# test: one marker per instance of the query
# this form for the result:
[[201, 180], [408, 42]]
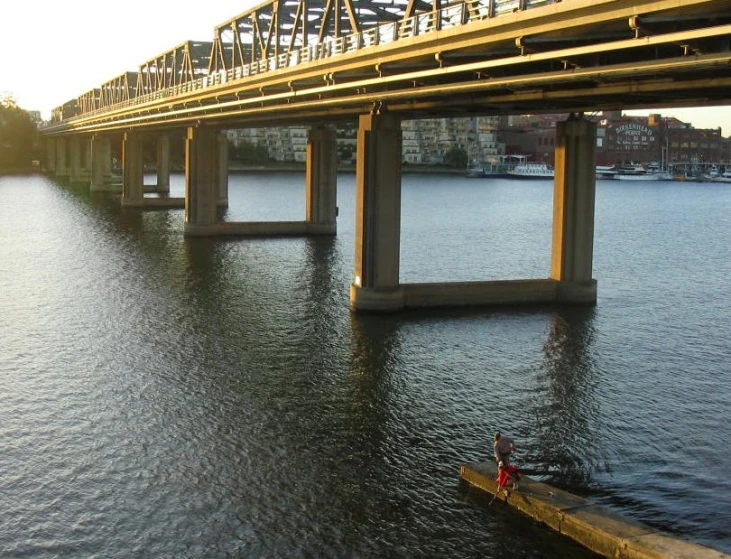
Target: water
[[164, 397]]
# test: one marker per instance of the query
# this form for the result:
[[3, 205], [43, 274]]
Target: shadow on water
[[559, 440]]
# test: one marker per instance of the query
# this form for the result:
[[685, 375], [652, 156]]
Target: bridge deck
[[465, 58]]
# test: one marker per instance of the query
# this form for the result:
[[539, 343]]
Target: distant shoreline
[[300, 168], [276, 168]]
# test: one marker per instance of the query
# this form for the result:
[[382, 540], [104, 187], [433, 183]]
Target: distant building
[[657, 139], [533, 136], [621, 139]]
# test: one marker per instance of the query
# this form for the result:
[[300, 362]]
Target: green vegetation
[[248, 153], [18, 137], [456, 157]]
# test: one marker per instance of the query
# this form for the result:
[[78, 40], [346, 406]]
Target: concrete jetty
[[589, 524]]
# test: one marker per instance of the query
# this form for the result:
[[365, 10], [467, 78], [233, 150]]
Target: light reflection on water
[[187, 398]]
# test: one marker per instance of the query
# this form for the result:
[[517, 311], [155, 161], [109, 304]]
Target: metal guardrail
[[419, 24]]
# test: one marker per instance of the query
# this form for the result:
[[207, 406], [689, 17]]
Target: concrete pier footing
[[259, 229], [587, 523], [477, 293], [162, 202]]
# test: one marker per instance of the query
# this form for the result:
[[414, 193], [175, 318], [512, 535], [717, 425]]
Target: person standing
[[503, 447]]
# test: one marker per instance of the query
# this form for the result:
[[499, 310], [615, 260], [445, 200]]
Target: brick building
[[622, 139]]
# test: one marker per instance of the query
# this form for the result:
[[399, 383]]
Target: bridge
[[320, 62]]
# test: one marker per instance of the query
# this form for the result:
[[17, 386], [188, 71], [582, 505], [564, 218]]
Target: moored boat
[[636, 173], [723, 177], [531, 171], [605, 172], [476, 173]]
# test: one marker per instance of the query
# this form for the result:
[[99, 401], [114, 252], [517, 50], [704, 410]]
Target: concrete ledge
[[376, 300], [453, 294], [114, 188], [476, 293], [155, 189], [117, 187], [261, 229], [154, 203], [589, 524], [79, 180]]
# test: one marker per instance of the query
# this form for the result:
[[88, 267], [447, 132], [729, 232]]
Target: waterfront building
[[425, 141], [621, 140]]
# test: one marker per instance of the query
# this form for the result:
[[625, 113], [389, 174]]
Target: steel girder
[[561, 56], [119, 90], [182, 64]]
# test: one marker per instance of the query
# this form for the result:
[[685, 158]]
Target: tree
[[456, 157], [249, 153], [18, 137]]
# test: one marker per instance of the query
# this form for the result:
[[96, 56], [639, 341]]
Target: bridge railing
[[419, 24]]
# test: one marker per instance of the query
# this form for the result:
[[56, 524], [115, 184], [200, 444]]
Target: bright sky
[[52, 51]]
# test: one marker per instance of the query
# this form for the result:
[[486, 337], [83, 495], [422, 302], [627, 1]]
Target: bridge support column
[[50, 163], [76, 146], [573, 211], [222, 170], [202, 159], [101, 159], [163, 164], [132, 170], [378, 215], [321, 180], [62, 159]]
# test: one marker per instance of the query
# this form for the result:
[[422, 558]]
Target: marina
[[635, 172]]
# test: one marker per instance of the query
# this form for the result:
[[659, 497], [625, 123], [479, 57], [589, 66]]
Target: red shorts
[[504, 473]]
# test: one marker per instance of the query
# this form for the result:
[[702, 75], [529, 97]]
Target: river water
[[164, 397]]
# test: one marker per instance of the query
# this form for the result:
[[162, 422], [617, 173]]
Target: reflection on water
[[215, 397], [568, 442]]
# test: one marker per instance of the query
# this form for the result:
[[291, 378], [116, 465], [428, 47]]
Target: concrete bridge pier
[[163, 165], [80, 156], [133, 187], [206, 189], [132, 170], [376, 284], [202, 160], [101, 161], [378, 215], [222, 171], [62, 159], [321, 180], [75, 159], [573, 211], [50, 163]]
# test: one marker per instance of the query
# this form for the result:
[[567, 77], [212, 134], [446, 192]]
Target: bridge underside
[[578, 55], [570, 56]]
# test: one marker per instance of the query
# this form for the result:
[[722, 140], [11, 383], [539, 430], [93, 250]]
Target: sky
[[52, 51]]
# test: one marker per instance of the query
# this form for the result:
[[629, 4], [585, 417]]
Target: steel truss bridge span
[[310, 61]]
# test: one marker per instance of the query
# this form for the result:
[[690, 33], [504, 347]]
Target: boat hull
[[637, 177], [531, 171]]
